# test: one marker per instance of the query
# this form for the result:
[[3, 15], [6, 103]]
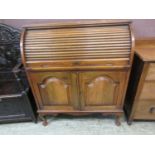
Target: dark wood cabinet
[[16, 99], [17, 107], [78, 68], [140, 98]]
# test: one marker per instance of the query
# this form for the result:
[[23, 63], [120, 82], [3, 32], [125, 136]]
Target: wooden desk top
[[145, 49]]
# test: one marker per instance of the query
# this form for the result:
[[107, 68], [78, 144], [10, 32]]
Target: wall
[[143, 28]]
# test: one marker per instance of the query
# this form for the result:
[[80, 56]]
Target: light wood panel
[[148, 90], [145, 110], [101, 89], [55, 89]]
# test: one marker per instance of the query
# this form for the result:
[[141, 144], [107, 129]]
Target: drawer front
[[79, 64], [145, 110], [148, 90], [151, 72]]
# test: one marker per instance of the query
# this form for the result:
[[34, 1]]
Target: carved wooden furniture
[[78, 68], [140, 97], [16, 100]]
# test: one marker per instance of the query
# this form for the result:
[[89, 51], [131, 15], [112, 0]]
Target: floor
[[88, 125]]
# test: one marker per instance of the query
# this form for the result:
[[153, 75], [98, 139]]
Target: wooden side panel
[[135, 77]]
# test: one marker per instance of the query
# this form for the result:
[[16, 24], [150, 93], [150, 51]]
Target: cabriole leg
[[43, 118], [117, 120]]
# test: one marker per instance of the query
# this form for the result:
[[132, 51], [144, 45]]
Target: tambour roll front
[[78, 68]]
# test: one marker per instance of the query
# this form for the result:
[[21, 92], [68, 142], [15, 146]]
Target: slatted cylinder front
[[78, 68], [104, 44]]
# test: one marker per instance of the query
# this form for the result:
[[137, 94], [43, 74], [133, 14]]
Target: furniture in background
[[140, 97], [16, 100], [78, 68]]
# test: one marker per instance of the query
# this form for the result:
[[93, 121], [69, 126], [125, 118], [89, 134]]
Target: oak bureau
[[79, 67]]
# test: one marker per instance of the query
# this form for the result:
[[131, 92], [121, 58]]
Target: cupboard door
[[101, 90], [55, 90]]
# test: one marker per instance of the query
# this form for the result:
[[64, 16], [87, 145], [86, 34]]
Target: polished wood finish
[[100, 90], [78, 68], [54, 90], [146, 92], [140, 98], [145, 110]]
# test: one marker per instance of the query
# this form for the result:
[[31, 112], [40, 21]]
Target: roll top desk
[[78, 68]]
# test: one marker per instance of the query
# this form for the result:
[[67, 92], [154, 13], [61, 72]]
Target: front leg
[[117, 120], [43, 118]]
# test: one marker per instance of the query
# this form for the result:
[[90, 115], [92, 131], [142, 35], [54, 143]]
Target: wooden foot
[[117, 121], [45, 123], [43, 118]]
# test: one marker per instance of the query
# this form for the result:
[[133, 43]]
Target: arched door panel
[[56, 91], [100, 89]]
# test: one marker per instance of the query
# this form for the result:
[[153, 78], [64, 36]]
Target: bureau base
[[43, 114]]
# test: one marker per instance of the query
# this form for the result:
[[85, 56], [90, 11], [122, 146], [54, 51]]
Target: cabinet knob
[[152, 110]]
